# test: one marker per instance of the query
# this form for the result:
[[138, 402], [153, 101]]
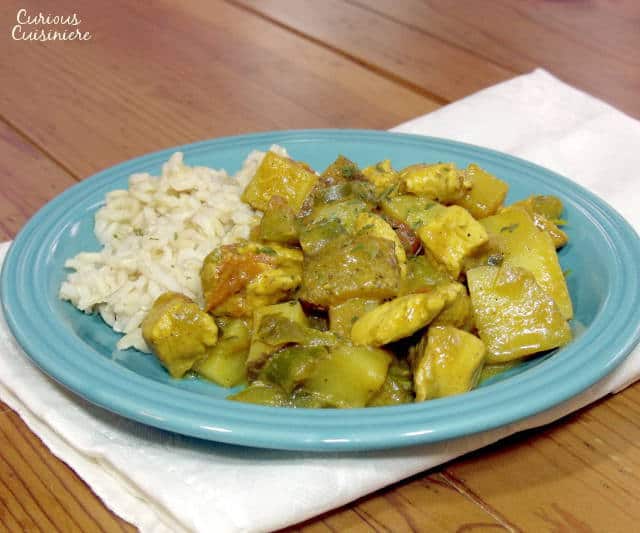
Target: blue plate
[[79, 350]]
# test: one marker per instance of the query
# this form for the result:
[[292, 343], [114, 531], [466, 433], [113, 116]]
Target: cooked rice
[[155, 236]]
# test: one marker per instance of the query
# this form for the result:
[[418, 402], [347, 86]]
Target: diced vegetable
[[373, 225], [225, 362], [279, 176], [238, 278], [449, 362], [357, 267], [397, 388], [344, 315], [523, 245], [348, 376], [515, 317], [415, 211], [279, 223], [178, 332], [486, 193]]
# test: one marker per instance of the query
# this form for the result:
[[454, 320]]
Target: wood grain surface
[[164, 73]]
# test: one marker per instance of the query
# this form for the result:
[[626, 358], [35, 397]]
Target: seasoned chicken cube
[[178, 332], [442, 182], [350, 267], [238, 278], [382, 175], [448, 361], [403, 316], [452, 236]]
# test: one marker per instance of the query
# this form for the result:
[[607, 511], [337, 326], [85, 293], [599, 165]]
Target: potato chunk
[[350, 267], [452, 236], [442, 182], [238, 278], [279, 176], [449, 362], [523, 245], [403, 316], [178, 332], [515, 317], [486, 195]]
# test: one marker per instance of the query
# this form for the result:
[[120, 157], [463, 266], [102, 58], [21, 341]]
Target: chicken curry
[[371, 287]]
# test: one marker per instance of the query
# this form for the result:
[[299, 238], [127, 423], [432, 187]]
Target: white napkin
[[165, 482]]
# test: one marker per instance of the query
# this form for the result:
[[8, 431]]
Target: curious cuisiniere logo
[[49, 27]]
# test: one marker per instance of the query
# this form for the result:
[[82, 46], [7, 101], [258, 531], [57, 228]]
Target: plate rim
[[237, 424]]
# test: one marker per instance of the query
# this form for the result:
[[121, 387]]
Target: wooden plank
[[593, 45], [37, 491], [580, 474], [393, 48], [425, 503], [174, 73], [29, 180]]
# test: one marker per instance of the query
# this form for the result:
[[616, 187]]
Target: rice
[[154, 237]]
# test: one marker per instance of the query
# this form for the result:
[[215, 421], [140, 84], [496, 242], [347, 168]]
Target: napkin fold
[[164, 482]]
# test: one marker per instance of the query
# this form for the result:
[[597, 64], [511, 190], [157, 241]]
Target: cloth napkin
[[165, 482]]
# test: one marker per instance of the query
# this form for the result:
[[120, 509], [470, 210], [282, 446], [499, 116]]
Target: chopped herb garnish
[[138, 232], [347, 171], [495, 259], [509, 228], [267, 250]]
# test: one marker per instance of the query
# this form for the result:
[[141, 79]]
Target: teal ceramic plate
[[79, 351]]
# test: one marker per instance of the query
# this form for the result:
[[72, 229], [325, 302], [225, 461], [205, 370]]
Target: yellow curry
[[370, 287]]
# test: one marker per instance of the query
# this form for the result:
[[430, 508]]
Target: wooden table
[[158, 74]]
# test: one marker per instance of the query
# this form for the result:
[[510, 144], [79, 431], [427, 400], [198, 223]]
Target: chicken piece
[[238, 278], [178, 332], [382, 175], [403, 316], [521, 244], [279, 176], [442, 182], [373, 225], [350, 267], [449, 361], [515, 317], [486, 195], [452, 236]]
